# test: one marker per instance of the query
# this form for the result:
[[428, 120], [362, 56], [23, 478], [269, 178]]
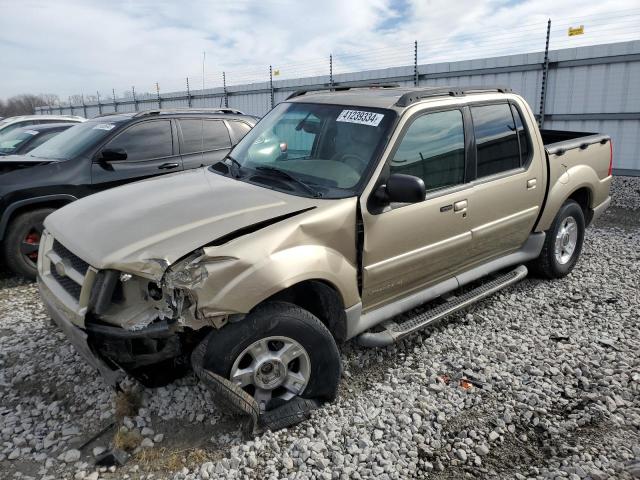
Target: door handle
[[460, 206], [168, 166], [531, 183]]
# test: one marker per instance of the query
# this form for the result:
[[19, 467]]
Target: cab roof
[[384, 95]]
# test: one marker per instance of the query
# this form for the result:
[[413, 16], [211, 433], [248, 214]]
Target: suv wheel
[[563, 243], [22, 241], [276, 353]]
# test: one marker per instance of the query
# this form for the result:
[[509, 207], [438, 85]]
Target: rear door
[[509, 186], [408, 247], [150, 149], [203, 141]]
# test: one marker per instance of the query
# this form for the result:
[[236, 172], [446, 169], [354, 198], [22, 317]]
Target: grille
[[71, 287], [77, 263]]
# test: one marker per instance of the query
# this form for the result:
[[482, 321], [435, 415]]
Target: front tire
[[562, 244], [277, 352], [23, 240]]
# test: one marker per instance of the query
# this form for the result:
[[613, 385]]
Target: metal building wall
[[595, 89]]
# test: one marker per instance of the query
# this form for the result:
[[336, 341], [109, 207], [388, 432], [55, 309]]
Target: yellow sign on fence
[[576, 30]]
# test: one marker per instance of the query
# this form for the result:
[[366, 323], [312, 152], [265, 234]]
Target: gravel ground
[[542, 380]]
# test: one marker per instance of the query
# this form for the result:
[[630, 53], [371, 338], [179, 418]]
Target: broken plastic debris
[[466, 384], [112, 457]]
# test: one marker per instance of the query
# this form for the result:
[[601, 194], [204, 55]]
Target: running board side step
[[397, 331]]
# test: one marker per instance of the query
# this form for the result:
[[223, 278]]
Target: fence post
[[115, 104], [271, 83], [188, 94], [331, 70], [416, 80], [70, 105], [158, 93], [84, 107], [545, 74], [226, 93], [135, 101], [99, 104]]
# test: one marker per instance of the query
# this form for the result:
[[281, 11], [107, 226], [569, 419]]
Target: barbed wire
[[470, 43]]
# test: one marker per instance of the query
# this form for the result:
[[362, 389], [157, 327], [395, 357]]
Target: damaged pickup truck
[[337, 212]]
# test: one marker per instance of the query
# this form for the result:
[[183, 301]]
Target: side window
[[523, 137], [240, 129], [433, 149], [496, 139], [145, 141], [203, 135]]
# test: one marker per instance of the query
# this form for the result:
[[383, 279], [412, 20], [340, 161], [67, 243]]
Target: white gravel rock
[[553, 367]]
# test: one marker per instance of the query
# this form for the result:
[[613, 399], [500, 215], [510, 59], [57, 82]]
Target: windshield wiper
[[288, 176]]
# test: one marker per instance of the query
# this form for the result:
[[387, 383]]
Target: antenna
[[204, 56]]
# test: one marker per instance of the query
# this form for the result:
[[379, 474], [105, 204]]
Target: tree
[[25, 104]]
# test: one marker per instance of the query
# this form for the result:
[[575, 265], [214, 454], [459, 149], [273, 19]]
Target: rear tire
[[20, 246], [251, 353], [562, 244]]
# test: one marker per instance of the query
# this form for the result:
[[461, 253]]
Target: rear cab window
[[496, 135]]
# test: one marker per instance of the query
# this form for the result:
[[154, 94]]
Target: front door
[[409, 247], [150, 152]]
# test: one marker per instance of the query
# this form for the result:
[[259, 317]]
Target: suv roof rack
[[337, 87], [415, 95], [167, 111]]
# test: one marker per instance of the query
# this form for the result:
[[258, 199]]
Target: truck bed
[[556, 142]]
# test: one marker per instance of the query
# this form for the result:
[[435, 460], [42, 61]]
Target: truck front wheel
[[563, 243], [276, 353]]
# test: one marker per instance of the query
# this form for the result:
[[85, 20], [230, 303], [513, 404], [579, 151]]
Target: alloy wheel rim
[[30, 245], [566, 240], [272, 368]]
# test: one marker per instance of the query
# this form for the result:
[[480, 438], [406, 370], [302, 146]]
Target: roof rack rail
[[338, 87], [415, 95], [167, 111]]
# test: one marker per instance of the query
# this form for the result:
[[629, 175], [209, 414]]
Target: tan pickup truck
[[337, 212]]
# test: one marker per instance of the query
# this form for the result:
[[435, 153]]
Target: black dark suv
[[101, 153]]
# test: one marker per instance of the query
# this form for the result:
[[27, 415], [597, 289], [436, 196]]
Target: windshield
[[11, 141], [75, 140], [326, 149]]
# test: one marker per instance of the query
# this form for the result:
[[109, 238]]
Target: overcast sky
[[70, 46]]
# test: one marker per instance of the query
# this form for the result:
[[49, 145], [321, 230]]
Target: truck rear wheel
[[563, 243], [23, 240], [278, 352]]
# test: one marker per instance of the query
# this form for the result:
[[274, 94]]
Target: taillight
[[610, 157]]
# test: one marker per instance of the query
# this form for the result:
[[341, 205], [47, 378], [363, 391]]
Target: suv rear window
[[496, 139], [203, 135]]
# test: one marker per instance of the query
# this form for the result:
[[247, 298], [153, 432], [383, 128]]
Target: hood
[[9, 163], [144, 227]]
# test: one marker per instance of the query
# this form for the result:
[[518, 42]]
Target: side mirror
[[113, 155], [401, 188]]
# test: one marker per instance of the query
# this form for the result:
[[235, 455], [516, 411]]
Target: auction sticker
[[104, 126], [358, 116]]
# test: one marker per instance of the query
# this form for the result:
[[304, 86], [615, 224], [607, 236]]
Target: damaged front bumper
[[78, 337]]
